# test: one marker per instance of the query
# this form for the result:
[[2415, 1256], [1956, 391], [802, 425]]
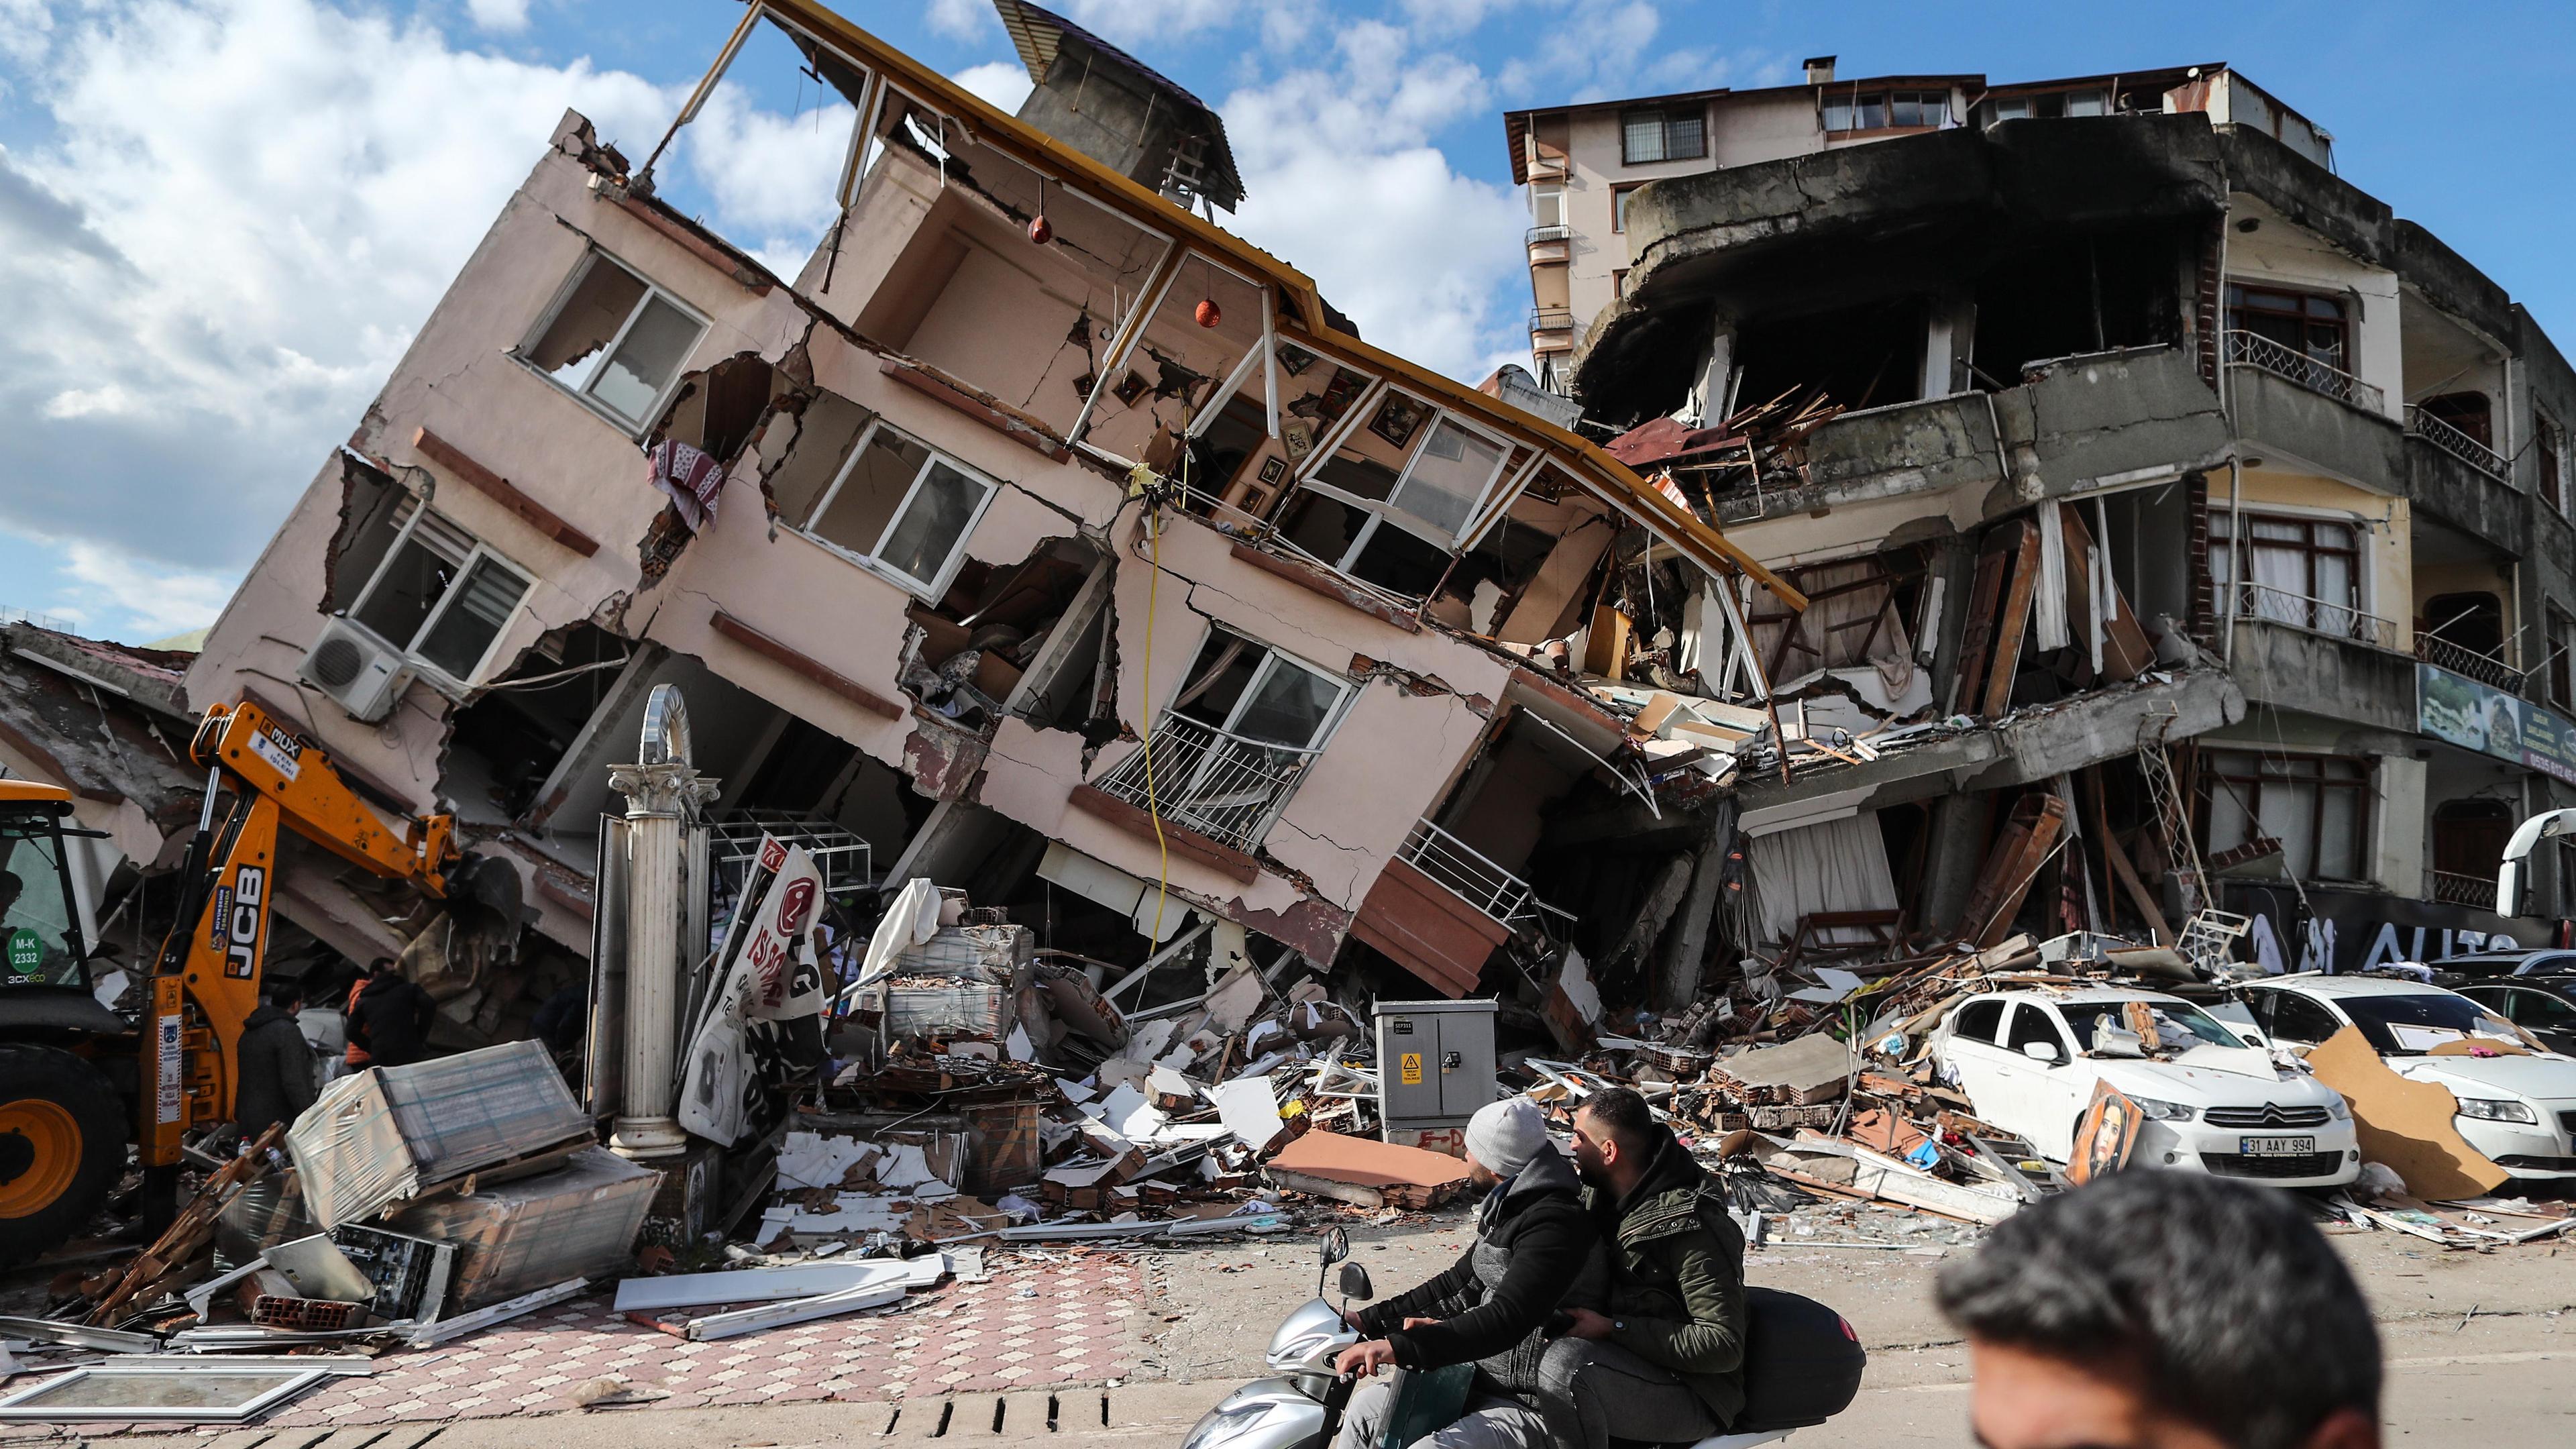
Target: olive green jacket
[[1677, 1277]]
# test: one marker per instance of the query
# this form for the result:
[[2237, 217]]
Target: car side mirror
[[2040, 1051], [1355, 1283]]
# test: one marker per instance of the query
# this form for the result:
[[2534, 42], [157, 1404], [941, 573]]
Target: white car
[[2028, 1061], [2518, 1110]]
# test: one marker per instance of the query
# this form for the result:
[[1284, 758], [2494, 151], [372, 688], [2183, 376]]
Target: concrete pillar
[[1952, 859], [1676, 983], [663, 794]]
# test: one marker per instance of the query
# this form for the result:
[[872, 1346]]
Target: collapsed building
[[1040, 538], [2182, 529]]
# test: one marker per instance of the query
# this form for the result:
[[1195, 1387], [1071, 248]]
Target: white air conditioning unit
[[362, 672]]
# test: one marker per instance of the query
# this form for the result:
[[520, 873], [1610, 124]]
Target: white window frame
[[409, 649], [1541, 194], [929, 591], [598, 255], [1272, 658], [1386, 510]]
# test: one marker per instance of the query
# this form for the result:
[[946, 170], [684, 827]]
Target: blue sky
[[221, 220]]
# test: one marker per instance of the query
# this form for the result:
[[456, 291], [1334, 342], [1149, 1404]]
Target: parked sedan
[[2545, 1006], [2214, 1100], [2519, 1110]]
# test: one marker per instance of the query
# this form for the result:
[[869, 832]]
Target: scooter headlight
[[1220, 1424]]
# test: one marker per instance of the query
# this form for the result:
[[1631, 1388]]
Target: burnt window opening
[[2071, 296], [506, 744], [1859, 357], [2470, 412], [2472, 621]]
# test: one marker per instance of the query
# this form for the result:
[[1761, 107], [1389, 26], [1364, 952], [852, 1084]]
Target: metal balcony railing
[[2252, 349], [2324, 616], [1538, 234], [2456, 443], [1501, 896], [1552, 319], [2475, 891], [2468, 663], [1221, 785]]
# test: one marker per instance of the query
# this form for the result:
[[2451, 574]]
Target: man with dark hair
[[276, 1082], [2165, 1310], [1665, 1364], [389, 1018]]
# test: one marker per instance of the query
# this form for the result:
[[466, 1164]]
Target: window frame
[[929, 591], [2236, 293], [2558, 636], [1665, 117], [594, 256], [1385, 510], [2356, 558], [1619, 205], [1541, 191], [447, 597], [1886, 99], [2248, 788]]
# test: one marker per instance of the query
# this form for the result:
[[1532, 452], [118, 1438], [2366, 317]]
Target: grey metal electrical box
[[1435, 1063]]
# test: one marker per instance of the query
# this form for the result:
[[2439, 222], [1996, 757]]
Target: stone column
[[663, 794]]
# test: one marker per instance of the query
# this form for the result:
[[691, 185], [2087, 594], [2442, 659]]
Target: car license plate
[[2276, 1146]]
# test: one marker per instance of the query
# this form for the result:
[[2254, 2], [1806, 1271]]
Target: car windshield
[[2416, 1022], [2176, 1023]]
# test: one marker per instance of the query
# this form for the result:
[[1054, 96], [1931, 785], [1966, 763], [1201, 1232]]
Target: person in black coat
[[389, 1018], [1536, 1253], [276, 1063]]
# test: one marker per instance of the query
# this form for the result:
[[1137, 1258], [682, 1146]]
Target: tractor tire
[[62, 1147]]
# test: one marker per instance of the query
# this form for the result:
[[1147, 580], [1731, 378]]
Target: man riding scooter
[[1665, 1363], [1536, 1252]]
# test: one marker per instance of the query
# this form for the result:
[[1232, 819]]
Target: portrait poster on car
[[2104, 1137]]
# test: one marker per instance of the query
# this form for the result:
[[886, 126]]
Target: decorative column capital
[[668, 790]]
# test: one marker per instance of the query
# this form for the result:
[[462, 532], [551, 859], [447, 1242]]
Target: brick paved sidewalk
[[1063, 1319]]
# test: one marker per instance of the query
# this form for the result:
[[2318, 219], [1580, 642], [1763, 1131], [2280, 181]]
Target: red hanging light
[[1207, 313], [1041, 231]]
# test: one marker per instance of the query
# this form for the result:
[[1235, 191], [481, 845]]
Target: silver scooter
[[1300, 1406]]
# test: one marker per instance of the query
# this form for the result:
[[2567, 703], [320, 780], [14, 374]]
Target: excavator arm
[[260, 776]]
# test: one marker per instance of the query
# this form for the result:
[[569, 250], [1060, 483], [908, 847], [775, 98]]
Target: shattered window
[[1396, 525], [616, 340], [1978, 1020], [1449, 477], [903, 508], [2177, 1026], [2312, 810], [437, 595]]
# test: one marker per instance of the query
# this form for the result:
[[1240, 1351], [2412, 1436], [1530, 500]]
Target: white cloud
[[228, 224], [1342, 181], [504, 15], [138, 600], [1003, 82], [959, 19]]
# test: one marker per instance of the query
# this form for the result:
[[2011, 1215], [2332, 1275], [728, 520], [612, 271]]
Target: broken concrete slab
[[1369, 1174], [1809, 1070]]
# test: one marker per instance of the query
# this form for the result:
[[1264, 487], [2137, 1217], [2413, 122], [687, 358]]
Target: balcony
[[2421, 424], [1551, 329], [2323, 616], [2250, 349], [1497, 894], [1223, 787], [2474, 891], [1549, 244], [2318, 657], [2468, 663]]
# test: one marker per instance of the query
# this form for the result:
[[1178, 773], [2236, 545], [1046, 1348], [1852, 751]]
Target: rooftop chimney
[[1820, 70]]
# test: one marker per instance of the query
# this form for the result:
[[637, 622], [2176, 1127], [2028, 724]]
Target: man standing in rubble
[[1535, 1252], [276, 1065], [1665, 1362], [389, 1018], [2165, 1310]]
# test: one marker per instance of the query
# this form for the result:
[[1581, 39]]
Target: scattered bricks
[[1779, 1119]]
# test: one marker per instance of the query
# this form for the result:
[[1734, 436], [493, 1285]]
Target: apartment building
[[1581, 163], [1039, 537], [2173, 512]]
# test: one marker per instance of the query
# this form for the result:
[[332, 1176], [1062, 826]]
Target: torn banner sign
[[764, 1018]]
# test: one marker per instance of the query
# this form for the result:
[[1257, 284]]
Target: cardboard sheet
[[2405, 1125]]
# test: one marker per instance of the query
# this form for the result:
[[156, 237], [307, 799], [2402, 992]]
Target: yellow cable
[[1145, 707]]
